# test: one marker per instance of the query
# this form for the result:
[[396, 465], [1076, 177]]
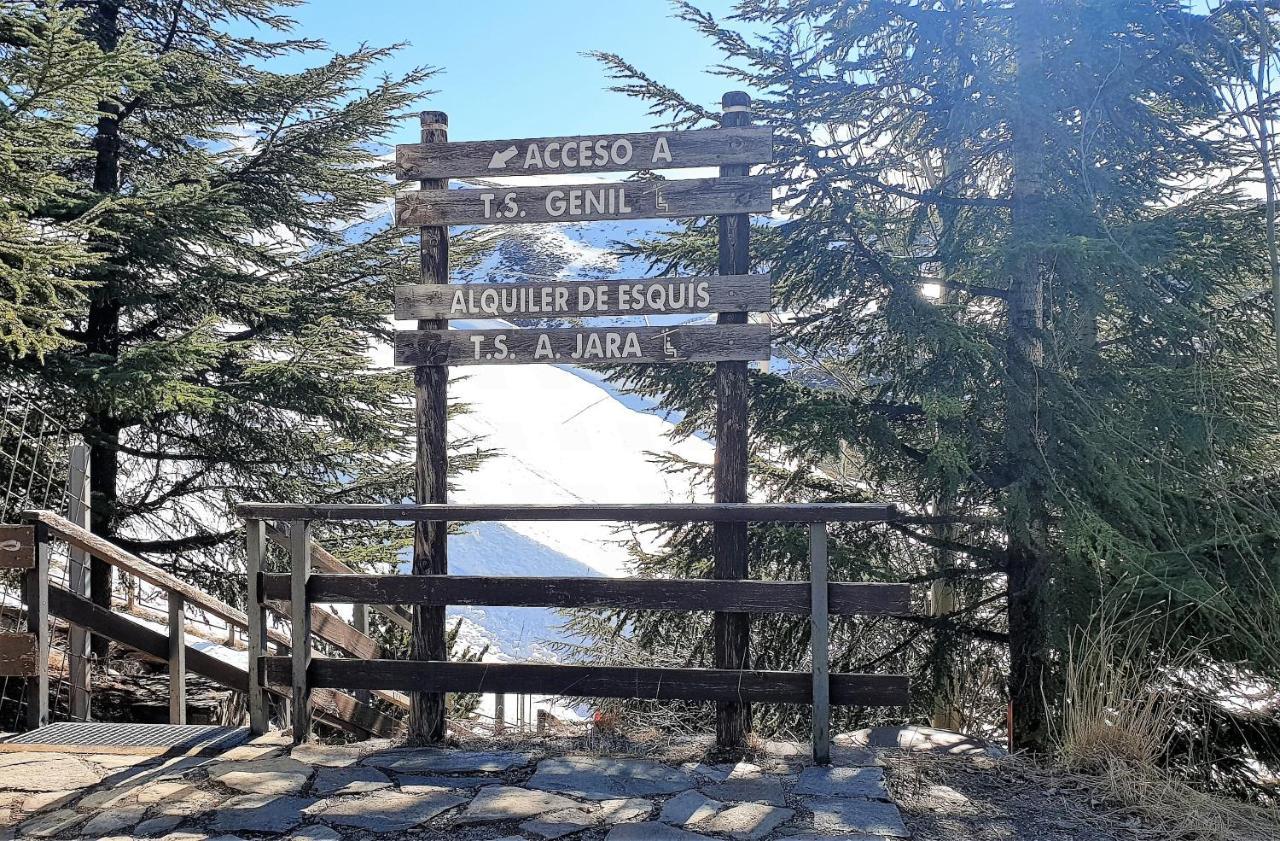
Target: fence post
[[177, 659], [360, 621], [732, 631], [255, 546], [78, 583], [300, 619], [35, 592], [818, 643]]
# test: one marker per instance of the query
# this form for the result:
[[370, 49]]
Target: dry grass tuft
[[1115, 726]]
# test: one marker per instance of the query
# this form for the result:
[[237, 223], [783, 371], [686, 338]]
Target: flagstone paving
[[379, 791]]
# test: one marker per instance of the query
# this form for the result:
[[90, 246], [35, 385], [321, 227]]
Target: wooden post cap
[[735, 101]]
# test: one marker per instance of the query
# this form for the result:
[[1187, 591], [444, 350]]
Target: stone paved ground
[[376, 790]]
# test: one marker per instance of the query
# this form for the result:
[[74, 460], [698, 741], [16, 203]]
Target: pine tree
[[242, 278], [51, 79], [1017, 313]]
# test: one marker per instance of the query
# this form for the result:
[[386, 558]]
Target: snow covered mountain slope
[[561, 439], [562, 435]]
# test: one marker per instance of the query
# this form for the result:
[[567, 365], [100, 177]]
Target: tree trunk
[[101, 431], [1025, 504]]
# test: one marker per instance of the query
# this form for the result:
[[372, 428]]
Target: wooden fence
[[303, 588]]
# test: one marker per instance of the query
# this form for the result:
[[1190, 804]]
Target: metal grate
[[121, 738]]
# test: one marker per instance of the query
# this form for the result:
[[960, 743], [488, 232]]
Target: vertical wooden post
[[255, 546], [78, 582], [732, 630], [177, 659], [300, 618], [818, 643], [499, 713], [35, 593], [360, 621], [427, 710]]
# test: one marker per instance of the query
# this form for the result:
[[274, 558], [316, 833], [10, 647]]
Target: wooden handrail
[[347, 639], [711, 512]]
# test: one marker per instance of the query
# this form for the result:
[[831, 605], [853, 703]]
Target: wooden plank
[[858, 599], [597, 681], [19, 655], [323, 560], [140, 638], [637, 151], [78, 579], [82, 538], [585, 202], [35, 595], [586, 298], [785, 597], [586, 346], [853, 512], [177, 660], [337, 709], [428, 637], [255, 553], [300, 617], [17, 547], [731, 632], [818, 640]]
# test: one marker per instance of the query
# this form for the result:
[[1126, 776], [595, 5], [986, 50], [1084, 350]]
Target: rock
[[158, 825], [749, 821], [47, 772], [743, 771], [262, 776], [918, 738], [260, 813], [843, 782], [47, 799], [439, 761], [509, 803], [408, 783], [556, 824], [753, 790], [651, 832], [112, 821], [160, 792], [870, 817], [251, 751], [316, 833], [106, 798], [50, 824], [354, 780], [188, 802], [331, 756], [603, 778], [851, 755], [688, 808], [953, 800], [624, 811], [387, 811], [707, 772]]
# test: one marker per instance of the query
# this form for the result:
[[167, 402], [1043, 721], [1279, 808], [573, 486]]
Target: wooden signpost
[[730, 342], [586, 202]]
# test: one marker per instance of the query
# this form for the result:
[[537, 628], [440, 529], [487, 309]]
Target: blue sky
[[513, 68]]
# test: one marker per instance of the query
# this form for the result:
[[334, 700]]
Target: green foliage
[[1143, 436], [241, 275], [51, 79]]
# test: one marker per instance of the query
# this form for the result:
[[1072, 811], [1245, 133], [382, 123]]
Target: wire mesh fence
[[35, 453]]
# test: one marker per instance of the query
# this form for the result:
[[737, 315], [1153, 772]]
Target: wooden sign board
[[591, 153], [604, 346], [17, 547], [586, 202], [585, 298]]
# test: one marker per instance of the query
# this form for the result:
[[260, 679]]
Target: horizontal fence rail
[[710, 512], [683, 594], [298, 591]]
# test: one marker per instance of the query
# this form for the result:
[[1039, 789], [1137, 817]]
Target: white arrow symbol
[[499, 159]]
